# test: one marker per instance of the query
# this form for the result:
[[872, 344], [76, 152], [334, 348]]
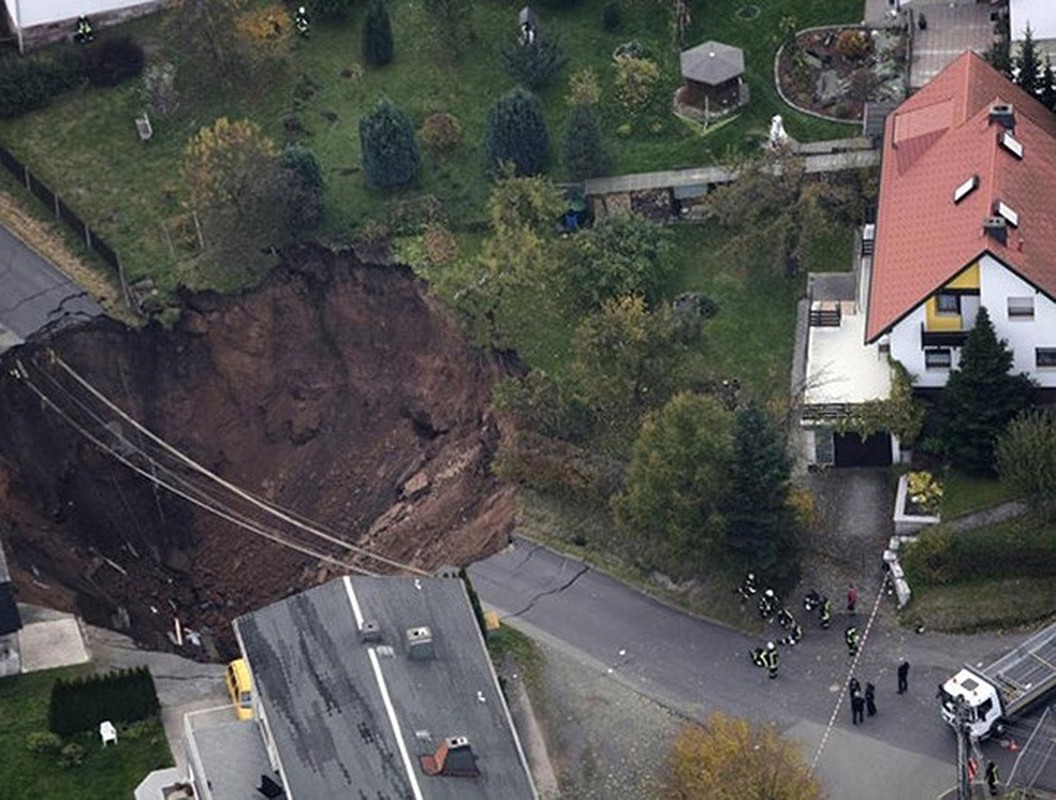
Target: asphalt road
[[34, 295], [697, 666]]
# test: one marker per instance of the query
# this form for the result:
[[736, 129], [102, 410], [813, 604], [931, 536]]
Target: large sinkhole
[[336, 391]]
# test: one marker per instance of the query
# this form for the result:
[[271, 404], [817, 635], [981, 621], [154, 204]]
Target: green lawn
[[85, 144], [963, 494], [111, 772], [750, 338]]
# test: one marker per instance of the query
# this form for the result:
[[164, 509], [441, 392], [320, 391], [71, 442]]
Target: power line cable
[[265, 505], [259, 530]]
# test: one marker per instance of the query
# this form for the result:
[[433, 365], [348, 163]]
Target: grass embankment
[[85, 145], [113, 771], [1001, 576], [964, 494]]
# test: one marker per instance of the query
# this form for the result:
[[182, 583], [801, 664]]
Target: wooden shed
[[713, 74]]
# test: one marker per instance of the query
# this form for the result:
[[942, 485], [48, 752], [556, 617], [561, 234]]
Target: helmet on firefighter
[[771, 646]]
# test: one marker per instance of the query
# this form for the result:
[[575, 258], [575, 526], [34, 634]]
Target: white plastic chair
[[108, 732]]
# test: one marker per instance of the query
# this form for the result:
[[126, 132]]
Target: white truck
[[1004, 689]]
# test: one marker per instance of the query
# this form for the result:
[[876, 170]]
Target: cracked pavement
[[35, 295], [694, 666]]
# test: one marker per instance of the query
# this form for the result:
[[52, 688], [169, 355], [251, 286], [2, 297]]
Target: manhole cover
[[748, 12]]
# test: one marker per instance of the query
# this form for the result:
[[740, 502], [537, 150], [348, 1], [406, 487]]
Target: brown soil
[[336, 389]]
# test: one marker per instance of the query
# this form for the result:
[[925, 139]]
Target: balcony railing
[[941, 338]]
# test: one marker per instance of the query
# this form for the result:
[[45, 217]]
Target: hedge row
[[1019, 548], [120, 696], [29, 83]]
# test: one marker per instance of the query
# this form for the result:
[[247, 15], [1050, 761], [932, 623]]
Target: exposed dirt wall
[[336, 389]]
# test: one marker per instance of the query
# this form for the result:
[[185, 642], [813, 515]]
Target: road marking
[[850, 672]]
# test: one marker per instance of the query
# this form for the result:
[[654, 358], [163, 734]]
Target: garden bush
[[43, 743], [72, 755], [517, 133], [113, 61], [612, 16], [377, 34], [854, 44], [28, 84], [120, 696], [441, 133], [535, 64]]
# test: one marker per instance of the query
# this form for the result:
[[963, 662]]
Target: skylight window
[[965, 189], [1009, 142], [1010, 216]]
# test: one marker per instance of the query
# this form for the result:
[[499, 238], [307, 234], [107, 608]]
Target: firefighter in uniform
[[795, 633], [770, 658], [850, 636], [84, 33], [300, 20], [826, 612]]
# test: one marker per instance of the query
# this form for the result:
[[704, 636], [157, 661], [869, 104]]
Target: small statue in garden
[[778, 136]]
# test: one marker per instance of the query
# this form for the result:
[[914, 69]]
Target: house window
[[1021, 308], [940, 358], [948, 303], [1045, 356]]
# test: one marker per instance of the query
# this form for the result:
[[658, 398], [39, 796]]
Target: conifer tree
[[377, 34], [390, 152], [980, 399], [582, 147], [760, 524], [1028, 68], [1047, 93], [517, 133]]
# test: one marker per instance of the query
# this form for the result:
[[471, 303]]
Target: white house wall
[[996, 285]]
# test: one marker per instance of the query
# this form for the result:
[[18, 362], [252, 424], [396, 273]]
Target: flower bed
[[917, 502]]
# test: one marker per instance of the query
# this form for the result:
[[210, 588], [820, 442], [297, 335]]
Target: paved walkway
[[989, 516]]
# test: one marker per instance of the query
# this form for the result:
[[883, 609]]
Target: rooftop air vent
[[965, 189], [1011, 144], [1002, 114], [453, 758], [420, 644], [996, 229], [370, 632]]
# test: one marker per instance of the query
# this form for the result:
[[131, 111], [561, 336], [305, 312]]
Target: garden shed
[[713, 74]]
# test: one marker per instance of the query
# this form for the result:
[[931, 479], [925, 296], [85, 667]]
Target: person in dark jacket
[[857, 709], [870, 699], [903, 677]]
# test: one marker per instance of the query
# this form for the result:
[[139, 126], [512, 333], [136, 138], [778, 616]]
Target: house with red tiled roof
[[966, 219]]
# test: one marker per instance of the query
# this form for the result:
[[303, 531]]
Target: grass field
[[114, 771], [85, 145]]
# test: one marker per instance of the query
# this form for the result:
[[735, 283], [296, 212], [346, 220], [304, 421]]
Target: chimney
[[370, 632], [1002, 114], [996, 229], [420, 644], [454, 758]]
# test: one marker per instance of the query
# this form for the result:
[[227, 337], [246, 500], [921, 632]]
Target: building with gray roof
[[713, 74], [381, 688]]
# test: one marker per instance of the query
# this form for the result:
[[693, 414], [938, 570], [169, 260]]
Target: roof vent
[[965, 189], [420, 642], [370, 632], [996, 228], [1002, 114], [453, 758], [269, 788], [1012, 145]]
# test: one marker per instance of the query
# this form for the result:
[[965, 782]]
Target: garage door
[[852, 451]]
